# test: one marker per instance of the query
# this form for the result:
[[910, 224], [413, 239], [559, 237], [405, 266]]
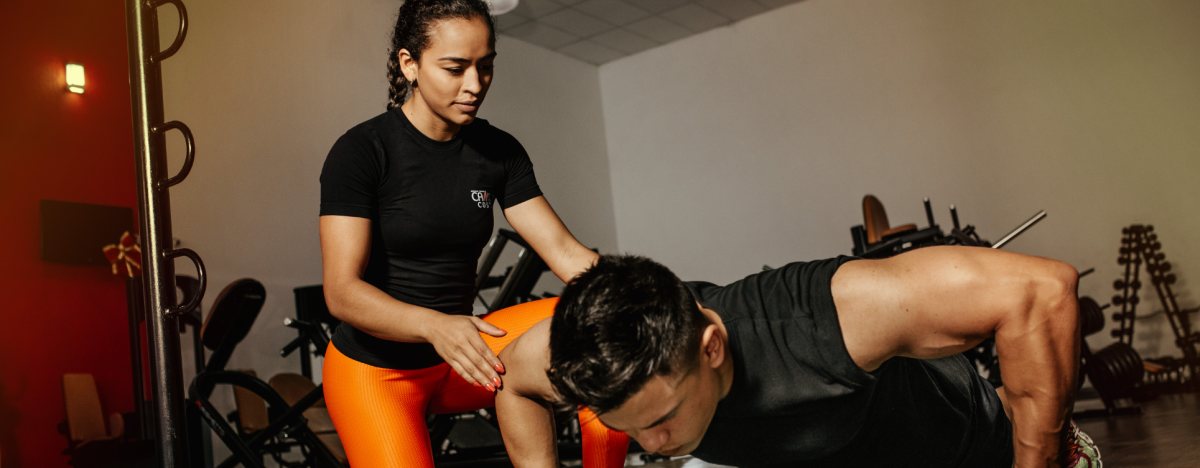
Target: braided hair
[[413, 23]]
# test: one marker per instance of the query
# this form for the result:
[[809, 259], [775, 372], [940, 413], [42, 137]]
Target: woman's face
[[455, 70]]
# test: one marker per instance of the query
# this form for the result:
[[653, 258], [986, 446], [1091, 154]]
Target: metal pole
[[154, 204], [1016, 232]]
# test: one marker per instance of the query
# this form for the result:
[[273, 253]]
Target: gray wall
[[268, 86], [755, 143]]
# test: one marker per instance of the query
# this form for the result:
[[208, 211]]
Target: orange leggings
[[380, 413]]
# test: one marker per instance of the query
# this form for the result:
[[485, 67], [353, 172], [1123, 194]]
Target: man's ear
[[408, 65], [713, 346]]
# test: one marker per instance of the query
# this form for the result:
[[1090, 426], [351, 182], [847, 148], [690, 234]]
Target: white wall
[[268, 86], [755, 143]]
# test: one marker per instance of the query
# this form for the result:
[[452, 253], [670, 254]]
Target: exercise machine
[[517, 282], [875, 238], [284, 427]]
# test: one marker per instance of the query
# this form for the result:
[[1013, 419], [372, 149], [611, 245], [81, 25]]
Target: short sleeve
[[351, 176], [520, 184]]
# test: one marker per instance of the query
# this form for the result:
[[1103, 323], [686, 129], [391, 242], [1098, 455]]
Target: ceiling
[[599, 31]]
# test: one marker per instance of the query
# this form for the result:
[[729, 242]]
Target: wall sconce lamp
[[75, 78]]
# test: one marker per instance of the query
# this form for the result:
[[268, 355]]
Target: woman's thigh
[[516, 320], [380, 413]]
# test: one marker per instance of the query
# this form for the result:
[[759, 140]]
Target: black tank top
[[430, 206], [798, 399]]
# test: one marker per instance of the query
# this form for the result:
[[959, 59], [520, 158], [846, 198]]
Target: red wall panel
[[59, 145]]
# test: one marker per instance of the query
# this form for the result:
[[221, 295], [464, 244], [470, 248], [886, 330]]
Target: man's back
[[798, 396]]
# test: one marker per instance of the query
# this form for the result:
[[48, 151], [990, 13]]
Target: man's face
[[670, 414]]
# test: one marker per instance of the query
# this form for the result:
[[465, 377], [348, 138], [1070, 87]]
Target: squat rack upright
[[154, 208]]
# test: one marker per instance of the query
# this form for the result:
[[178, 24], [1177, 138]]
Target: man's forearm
[[527, 427], [1037, 427], [1039, 360]]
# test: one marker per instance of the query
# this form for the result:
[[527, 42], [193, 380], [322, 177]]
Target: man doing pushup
[[838, 362]]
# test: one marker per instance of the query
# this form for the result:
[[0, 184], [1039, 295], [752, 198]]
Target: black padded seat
[[230, 319]]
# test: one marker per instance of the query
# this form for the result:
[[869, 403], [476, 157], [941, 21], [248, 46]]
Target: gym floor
[[1165, 435]]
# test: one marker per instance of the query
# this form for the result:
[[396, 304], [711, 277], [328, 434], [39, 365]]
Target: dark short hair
[[617, 325], [413, 23]]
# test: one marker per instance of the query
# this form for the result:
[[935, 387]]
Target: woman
[[406, 208]]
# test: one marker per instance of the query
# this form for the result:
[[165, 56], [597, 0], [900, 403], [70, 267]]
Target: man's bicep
[[927, 303]]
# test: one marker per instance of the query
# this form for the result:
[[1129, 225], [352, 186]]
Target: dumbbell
[[1122, 316], [1120, 300], [1163, 267]]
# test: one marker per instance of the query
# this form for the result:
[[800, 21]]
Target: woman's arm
[[540, 226], [345, 248]]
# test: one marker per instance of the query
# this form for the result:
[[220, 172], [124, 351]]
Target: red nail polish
[[496, 380], [500, 368], [490, 387]]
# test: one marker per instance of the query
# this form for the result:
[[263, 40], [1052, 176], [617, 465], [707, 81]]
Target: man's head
[[629, 342]]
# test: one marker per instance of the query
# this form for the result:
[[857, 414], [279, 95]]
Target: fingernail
[[500, 368], [496, 380], [475, 384], [490, 387]]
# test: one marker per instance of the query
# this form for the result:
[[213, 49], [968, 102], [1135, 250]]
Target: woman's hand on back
[[456, 339], [345, 248]]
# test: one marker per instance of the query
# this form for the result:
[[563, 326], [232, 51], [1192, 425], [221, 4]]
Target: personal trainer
[[406, 208], [838, 362]]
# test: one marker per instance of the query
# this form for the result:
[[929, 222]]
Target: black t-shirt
[[430, 206], [798, 399]]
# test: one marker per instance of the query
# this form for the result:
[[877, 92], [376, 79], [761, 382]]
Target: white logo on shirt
[[482, 198]]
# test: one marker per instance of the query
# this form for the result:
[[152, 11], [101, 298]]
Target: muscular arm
[[540, 226], [522, 405], [345, 248], [941, 301]]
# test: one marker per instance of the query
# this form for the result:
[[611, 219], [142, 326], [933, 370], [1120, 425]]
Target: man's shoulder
[[526, 360]]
